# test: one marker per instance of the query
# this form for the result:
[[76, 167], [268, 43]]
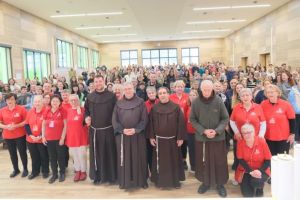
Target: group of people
[[142, 122]]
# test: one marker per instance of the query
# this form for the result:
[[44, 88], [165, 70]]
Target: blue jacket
[[292, 98]]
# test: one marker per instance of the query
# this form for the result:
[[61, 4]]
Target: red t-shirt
[[15, 116], [254, 156], [189, 127], [254, 116], [182, 102], [277, 118], [66, 106], [149, 105], [54, 123], [77, 133], [35, 120]]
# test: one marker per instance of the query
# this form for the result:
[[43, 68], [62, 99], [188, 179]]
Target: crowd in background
[[238, 88]]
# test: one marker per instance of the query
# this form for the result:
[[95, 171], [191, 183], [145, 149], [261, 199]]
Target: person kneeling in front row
[[254, 162]]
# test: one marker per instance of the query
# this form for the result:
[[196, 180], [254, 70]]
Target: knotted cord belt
[[157, 151], [95, 131]]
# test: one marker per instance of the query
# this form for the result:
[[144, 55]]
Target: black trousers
[[184, 149], [277, 147], [13, 145], [250, 184], [191, 147], [149, 154], [297, 131], [67, 156], [235, 160], [57, 155], [39, 158]]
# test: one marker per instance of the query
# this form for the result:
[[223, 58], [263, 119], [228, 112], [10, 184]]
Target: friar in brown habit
[[98, 112], [166, 131], [129, 122]]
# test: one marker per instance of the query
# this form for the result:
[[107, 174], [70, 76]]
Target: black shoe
[[62, 177], [145, 186], [45, 175], [14, 173], [269, 181], [32, 176], [259, 192], [52, 179], [185, 167], [203, 188], [221, 191], [192, 168], [178, 186], [25, 173], [97, 182]]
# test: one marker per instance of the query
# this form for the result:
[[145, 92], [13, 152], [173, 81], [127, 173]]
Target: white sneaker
[[234, 182]]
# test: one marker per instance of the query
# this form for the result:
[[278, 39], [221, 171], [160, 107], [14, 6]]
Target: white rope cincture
[[95, 131], [203, 152], [157, 151], [122, 156]]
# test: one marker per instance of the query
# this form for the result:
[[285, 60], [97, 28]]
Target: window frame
[[93, 64], [159, 57], [189, 56], [79, 54], [8, 57], [70, 44], [34, 52], [130, 60]]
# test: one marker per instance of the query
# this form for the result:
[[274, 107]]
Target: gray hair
[[248, 126], [207, 82], [117, 86], [245, 90], [37, 97], [151, 89]]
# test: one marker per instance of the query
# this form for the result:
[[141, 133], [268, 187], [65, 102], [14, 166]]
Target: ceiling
[[149, 20]]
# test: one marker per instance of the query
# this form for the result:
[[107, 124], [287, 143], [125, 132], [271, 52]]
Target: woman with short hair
[[254, 162]]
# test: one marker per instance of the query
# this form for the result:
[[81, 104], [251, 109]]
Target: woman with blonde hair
[[77, 137]]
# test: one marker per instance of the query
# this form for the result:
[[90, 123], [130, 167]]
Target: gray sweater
[[209, 113]]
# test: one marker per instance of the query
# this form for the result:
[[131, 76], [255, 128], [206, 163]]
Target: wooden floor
[[39, 188]]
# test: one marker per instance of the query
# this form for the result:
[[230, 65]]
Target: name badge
[[51, 124], [35, 128], [272, 121], [76, 118], [17, 115]]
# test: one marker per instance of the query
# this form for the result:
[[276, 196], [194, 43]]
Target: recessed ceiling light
[[114, 35], [232, 7], [102, 27], [204, 31], [218, 21], [86, 14], [202, 37]]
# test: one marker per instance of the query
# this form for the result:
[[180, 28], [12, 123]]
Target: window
[[36, 64], [129, 57], [190, 55], [82, 57], [5, 64], [159, 56], [95, 58], [64, 54]]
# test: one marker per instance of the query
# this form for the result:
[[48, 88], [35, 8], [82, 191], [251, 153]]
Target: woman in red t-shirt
[[190, 129], [53, 135], [254, 162], [38, 151], [77, 137], [280, 117], [12, 121], [181, 98]]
